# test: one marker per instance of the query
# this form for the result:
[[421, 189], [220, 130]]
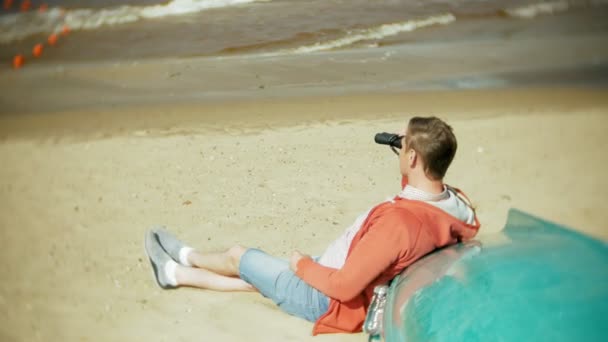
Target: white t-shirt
[[448, 201]]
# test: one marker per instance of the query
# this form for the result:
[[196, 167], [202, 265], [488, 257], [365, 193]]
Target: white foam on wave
[[550, 7], [21, 25], [378, 32], [533, 10]]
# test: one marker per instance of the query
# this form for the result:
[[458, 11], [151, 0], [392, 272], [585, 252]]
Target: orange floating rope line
[[18, 61], [37, 50], [26, 5], [8, 4], [52, 39]]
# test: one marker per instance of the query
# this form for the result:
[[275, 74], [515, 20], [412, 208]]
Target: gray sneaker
[[158, 259], [170, 243]]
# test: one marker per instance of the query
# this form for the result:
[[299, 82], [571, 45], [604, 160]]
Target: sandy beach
[[75, 206], [274, 152]]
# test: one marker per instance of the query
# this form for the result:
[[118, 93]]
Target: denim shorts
[[273, 278]]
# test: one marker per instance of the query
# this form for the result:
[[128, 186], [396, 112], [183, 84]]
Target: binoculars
[[390, 139]]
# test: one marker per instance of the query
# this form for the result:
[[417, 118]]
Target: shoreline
[[579, 61], [251, 116]]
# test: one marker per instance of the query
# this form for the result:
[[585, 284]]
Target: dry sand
[[76, 199]]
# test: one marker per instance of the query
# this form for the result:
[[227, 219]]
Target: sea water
[[138, 29]]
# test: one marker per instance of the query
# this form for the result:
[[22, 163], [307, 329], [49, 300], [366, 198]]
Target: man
[[335, 290]]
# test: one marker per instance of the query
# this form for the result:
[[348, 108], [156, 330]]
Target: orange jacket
[[394, 235]]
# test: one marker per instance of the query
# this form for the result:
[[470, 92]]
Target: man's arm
[[380, 247]]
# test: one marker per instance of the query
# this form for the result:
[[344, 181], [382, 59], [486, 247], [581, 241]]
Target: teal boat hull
[[534, 281]]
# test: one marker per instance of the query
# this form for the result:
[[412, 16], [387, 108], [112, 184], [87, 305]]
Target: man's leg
[[224, 263], [204, 279], [170, 274]]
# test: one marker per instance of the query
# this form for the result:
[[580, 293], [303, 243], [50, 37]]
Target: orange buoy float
[[8, 4], [18, 61], [65, 30], [43, 8], [26, 5], [37, 50], [52, 39]]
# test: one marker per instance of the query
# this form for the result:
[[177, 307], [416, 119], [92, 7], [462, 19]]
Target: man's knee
[[235, 253]]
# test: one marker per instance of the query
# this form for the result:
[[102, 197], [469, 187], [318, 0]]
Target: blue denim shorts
[[273, 278]]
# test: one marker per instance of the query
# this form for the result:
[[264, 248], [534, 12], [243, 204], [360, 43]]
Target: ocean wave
[[378, 32], [550, 7], [533, 10], [18, 26]]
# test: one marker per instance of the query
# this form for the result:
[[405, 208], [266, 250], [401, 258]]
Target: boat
[[534, 281]]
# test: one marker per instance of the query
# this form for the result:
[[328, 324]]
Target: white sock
[[170, 272], [183, 256]]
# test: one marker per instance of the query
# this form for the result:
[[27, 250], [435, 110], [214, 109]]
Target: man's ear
[[412, 158]]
